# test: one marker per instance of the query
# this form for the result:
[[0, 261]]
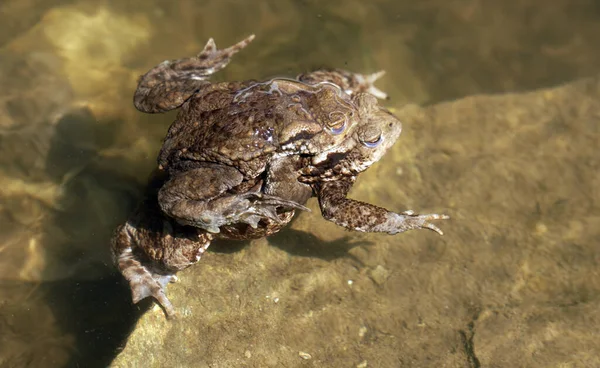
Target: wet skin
[[241, 157]]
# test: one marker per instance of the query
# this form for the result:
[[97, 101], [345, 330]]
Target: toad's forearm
[[349, 213], [360, 216], [355, 215]]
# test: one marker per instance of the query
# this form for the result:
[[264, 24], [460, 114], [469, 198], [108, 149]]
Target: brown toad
[[241, 157], [226, 134]]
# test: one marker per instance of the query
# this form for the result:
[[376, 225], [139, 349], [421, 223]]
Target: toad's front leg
[[169, 84], [360, 216]]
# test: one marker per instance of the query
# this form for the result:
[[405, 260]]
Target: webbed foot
[[169, 84], [366, 83], [210, 60], [408, 220], [145, 283], [351, 83]]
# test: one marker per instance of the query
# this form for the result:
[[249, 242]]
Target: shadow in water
[[92, 303], [298, 243], [304, 244], [98, 315], [226, 246]]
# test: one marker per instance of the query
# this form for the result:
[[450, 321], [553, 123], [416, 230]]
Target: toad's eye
[[373, 142], [337, 123]]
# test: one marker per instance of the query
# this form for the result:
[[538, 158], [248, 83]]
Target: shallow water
[[76, 154]]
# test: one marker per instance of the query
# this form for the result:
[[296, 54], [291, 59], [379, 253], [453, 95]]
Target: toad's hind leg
[[169, 84], [142, 281]]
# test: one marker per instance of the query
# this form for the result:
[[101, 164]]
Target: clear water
[[75, 153]]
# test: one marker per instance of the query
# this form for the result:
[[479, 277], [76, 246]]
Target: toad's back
[[242, 124]]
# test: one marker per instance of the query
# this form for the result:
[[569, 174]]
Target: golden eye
[[373, 141], [337, 122]]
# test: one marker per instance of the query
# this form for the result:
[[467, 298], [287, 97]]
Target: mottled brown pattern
[[266, 227], [169, 85], [350, 82], [227, 134], [346, 212], [241, 157]]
